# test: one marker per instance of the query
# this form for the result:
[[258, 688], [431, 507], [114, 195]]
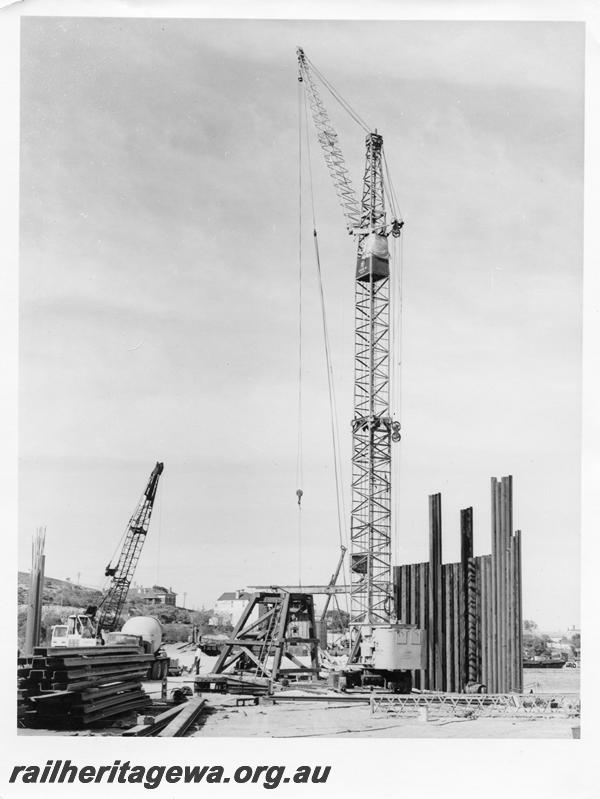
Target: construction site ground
[[289, 719]]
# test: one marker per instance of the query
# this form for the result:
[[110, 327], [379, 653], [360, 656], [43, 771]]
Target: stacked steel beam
[[471, 610], [74, 687], [174, 722]]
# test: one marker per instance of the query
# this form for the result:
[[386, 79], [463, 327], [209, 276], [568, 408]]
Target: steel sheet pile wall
[[471, 610]]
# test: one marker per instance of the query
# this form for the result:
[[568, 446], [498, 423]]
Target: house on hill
[[229, 607], [157, 595]]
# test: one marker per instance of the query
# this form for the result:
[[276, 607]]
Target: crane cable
[[158, 538], [396, 291], [119, 544], [337, 96], [396, 372], [333, 415], [389, 189], [299, 455]]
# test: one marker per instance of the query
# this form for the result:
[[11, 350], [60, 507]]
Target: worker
[[197, 655]]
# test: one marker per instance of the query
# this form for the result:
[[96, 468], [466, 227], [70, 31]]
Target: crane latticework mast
[[372, 427], [372, 600], [109, 609]]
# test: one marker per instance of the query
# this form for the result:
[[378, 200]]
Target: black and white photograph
[[300, 397]]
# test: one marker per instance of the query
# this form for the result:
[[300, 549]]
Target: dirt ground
[[289, 720], [307, 719], [316, 719]]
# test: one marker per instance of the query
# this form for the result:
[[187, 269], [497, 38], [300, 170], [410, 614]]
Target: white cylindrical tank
[[148, 628]]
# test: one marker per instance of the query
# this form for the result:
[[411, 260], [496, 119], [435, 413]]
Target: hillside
[[59, 592], [62, 597]]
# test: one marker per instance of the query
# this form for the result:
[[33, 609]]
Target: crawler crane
[[98, 625]]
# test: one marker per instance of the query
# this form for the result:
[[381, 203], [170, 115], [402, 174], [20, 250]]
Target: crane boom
[[329, 141], [111, 605]]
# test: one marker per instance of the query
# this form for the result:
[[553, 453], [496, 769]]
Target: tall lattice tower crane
[[373, 620], [121, 574]]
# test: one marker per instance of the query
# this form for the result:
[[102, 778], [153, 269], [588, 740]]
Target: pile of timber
[[68, 688]]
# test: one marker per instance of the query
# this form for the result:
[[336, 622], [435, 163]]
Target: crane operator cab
[[384, 656]]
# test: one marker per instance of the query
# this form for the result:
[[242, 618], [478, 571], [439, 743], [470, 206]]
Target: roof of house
[[229, 595]]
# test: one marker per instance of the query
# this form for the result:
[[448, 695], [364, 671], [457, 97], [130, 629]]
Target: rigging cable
[[337, 96], [158, 537], [390, 190], [119, 544], [396, 374], [299, 455], [341, 512]]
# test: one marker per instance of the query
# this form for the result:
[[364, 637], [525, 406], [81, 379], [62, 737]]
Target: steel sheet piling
[[423, 614], [458, 626], [479, 617], [412, 615], [448, 628], [472, 620], [435, 626], [512, 642], [485, 590], [471, 610], [487, 565], [492, 681], [466, 552], [519, 612], [502, 585]]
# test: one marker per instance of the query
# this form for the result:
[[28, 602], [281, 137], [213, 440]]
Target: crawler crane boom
[[111, 605]]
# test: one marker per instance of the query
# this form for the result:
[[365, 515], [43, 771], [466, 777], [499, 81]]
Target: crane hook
[[299, 494], [397, 226]]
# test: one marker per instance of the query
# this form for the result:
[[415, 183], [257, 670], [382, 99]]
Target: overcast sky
[[159, 291]]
